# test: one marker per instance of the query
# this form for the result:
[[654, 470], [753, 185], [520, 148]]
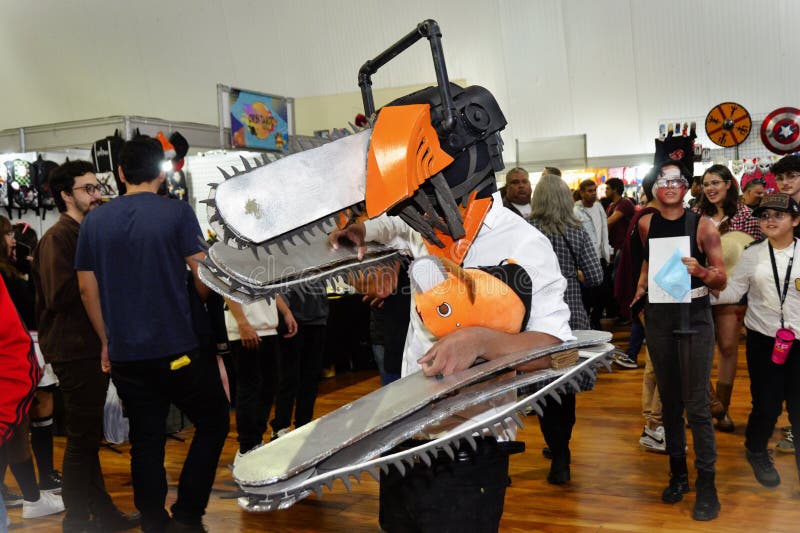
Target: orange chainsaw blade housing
[[404, 151], [470, 297]]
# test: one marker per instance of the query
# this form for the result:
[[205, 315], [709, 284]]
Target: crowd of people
[[722, 226], [89, 297]]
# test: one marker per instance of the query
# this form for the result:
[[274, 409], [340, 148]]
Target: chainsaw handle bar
[[430, 30]]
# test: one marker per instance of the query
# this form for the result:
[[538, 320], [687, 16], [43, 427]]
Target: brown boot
[[724, 391], [717, 409]]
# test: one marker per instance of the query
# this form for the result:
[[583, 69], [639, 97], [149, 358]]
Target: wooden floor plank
[[615, 486]]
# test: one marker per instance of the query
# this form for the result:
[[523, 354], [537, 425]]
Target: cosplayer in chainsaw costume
[[427, 188]]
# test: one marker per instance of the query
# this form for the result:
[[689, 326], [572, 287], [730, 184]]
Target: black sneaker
[[115, 520], [763, 468], [51, 483], [10, 499]]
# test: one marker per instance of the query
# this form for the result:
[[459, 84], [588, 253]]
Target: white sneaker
[[653, 439], [46, 505]]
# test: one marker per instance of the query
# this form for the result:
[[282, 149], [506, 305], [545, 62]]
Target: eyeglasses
[[787, 176], [776, 215], [91, 189], [713, 183], [670, 183]]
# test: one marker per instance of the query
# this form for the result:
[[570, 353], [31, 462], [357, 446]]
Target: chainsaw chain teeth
[[405, 460], [242, 292]]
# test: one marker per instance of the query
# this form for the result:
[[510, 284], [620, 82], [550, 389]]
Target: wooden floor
[[615, 486]]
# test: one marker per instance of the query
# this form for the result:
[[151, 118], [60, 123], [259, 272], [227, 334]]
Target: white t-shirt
[[524, 210], [262, 316]]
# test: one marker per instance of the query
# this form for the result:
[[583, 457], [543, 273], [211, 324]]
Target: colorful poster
[[258, 121]]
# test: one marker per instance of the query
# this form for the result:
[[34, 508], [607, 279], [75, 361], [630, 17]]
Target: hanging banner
[[258, 121]]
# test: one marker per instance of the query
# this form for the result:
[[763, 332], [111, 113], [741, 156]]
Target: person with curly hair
[[720, 204]]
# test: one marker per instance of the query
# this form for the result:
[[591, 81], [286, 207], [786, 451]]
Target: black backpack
[[105, 153], [22, 192], [40, 172]]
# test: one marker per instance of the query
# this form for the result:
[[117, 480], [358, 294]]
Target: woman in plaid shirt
[[552, 215], [720, 204]]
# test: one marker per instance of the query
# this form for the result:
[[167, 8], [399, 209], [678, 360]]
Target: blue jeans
[[379, 351], [3, 516], [636, 341]]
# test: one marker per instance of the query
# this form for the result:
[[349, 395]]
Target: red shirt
[[618, 232]]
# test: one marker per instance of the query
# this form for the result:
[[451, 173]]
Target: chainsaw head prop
[[273, 214]]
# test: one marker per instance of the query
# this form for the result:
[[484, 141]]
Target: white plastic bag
[[115, 424]]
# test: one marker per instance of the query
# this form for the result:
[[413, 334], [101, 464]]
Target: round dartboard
[[780, 131], [728, 124]]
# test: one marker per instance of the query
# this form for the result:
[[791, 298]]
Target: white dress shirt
[[503, 235], [753, 276]]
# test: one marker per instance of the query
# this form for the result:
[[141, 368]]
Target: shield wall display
[[780, 131], [728, 124]]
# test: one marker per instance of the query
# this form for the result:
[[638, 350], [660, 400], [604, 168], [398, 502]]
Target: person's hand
[[105, 362], [291, 325], [377, 286], [249, 336], [456, 351], [352, 235], [694, 267]]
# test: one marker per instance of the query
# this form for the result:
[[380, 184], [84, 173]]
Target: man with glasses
[[682, 375], [70, 344]]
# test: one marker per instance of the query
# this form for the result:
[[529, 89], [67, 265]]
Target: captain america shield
[[780, 131]]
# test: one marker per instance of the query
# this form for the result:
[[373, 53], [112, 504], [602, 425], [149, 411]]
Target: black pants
[[682, 378], [256, 379], [301, 365], [146, 389], [449, 496], [83, 387], [557, 424], [770, 385]]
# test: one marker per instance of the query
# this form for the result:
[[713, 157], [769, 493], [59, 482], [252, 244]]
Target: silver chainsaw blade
[[314, 442], [264, 201], [249, 274], [364, 456]]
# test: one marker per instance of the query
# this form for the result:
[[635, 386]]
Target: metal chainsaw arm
[[364, 456]]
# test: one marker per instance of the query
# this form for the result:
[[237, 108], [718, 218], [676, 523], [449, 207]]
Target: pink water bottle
[[784, 338]]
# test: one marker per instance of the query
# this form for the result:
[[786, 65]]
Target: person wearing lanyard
[[769, 275]]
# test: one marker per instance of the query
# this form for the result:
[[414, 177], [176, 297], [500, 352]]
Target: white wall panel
[[607, 68], [602, 78]]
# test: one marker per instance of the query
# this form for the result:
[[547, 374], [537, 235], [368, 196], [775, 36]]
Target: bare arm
[[90, 296], [288, 317], [614, 218], [713, 275], [202, 290], [247, 333], [458, 350]]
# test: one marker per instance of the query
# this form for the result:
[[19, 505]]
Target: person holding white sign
[[682, 260]]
